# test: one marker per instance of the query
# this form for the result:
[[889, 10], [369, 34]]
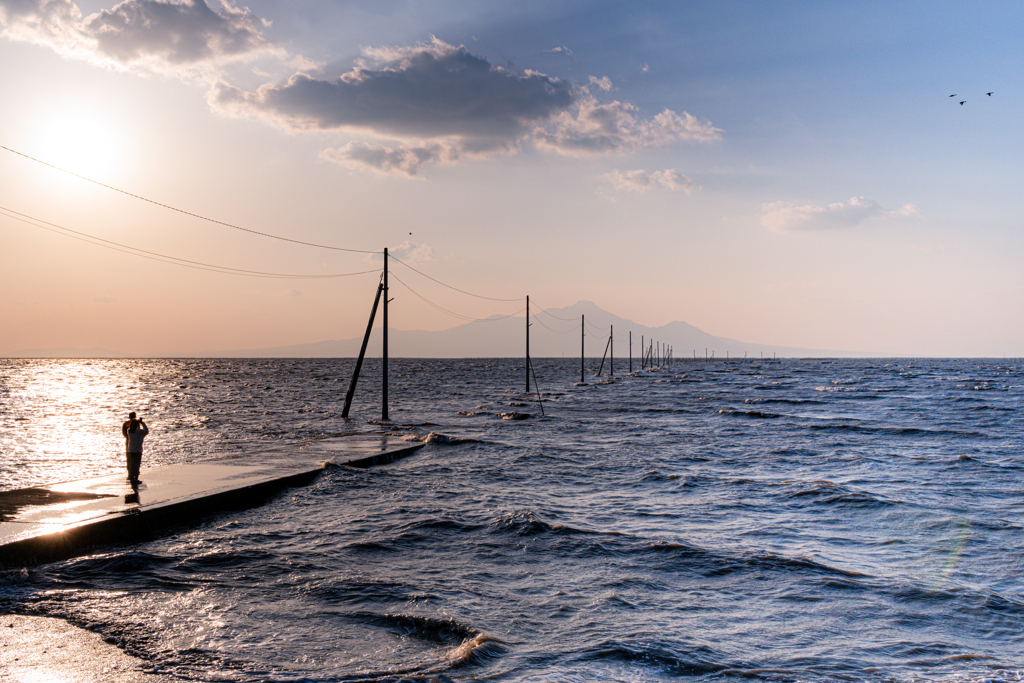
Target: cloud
[[788, 217], [406, 251], [613, 128], [430, 103], [161, 36], [399, 160], [642, 181], [425, 91], [560, 50], [438, 103]]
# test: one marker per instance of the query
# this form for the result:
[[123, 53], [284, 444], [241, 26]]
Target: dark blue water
[[801, 520]]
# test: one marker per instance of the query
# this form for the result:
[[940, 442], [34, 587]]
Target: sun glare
[[81, 140]]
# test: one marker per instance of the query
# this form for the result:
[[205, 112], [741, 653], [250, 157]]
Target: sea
[[740, 520]]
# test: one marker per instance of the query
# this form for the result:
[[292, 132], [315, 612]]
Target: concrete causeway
[[58, 520]]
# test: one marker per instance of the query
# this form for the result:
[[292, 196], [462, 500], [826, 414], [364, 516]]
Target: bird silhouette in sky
[[953, 95], [989, 94], [962, 102]]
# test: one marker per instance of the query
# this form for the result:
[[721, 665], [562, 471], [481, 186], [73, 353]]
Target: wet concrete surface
[[57, 520]]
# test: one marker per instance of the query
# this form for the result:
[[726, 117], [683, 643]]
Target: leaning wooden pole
[[362, 353], [384, 368]]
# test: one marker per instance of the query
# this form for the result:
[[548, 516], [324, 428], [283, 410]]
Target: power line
[[461, 291], [452, 313], [187, 213], [541, 323], [155, 256], [556, 317]]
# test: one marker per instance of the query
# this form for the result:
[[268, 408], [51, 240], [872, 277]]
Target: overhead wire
[[187, 213], [461, 291], [156, 256], [556, 317], [541, 323], [452, 313]]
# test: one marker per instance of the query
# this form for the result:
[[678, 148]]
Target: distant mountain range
[[554, 333]]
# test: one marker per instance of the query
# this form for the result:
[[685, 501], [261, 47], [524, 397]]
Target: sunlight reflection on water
[[63, 418]]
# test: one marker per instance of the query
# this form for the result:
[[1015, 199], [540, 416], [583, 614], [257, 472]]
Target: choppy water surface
[[798, 520]]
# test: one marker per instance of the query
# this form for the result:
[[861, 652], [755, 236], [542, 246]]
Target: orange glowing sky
[[795, 175]]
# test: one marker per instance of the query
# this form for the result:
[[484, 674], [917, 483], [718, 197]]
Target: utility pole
[[362, 353], [384, 373], [583, 335], [527, 343]]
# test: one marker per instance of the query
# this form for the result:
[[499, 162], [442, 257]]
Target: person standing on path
[[134, 430]]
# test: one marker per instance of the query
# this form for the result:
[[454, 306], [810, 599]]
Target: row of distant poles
[[655, 352]]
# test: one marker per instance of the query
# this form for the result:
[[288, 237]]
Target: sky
[[804, 174]]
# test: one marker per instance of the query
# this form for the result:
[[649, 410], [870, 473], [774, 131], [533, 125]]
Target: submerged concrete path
[[47, 522]]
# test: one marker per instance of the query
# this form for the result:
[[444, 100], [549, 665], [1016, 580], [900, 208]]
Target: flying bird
[[989, 94], [953, 95], [962, 102]]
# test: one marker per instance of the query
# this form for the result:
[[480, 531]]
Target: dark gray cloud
[[162, 35], [178, 32], [427, 91], [391, 160]]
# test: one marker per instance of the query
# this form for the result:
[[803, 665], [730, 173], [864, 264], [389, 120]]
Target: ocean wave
[[829, 493], [663, 656], [758, 414], [784, 401], [890, 431], [466, 643], [118, 563], [529, 523], [710, 563]]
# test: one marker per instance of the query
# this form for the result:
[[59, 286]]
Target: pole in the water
[[583, 336], [631, 352], [362, 353], [384, 369], [611, 358], [527, 343]]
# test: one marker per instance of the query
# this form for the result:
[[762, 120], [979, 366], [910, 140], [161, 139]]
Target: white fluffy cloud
[[642, 181], [406, 251], [787, 216], [594, 128], [161, 36]]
